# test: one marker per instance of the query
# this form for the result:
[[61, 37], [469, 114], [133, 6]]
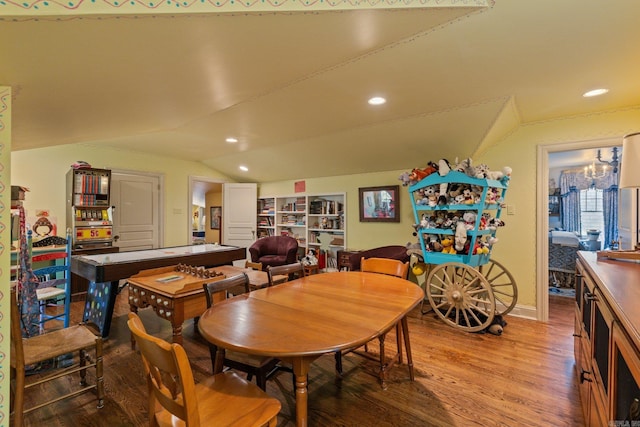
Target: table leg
[[301, 372], [176, 324], [133, 309]]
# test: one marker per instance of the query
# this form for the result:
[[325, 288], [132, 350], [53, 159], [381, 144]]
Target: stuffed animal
[[310, 258], [496, 327], [460, 236], [469, 219], [447, 245]]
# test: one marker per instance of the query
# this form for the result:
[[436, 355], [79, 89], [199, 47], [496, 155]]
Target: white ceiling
[[292, 87]]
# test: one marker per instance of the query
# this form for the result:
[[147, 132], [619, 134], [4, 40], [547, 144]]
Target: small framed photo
[[216, 217], [379, 204]]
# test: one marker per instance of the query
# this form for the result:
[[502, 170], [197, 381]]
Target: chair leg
[[18, 397], [338, 357], [383, 367], [407, 345], [83, 372], [399, 342], [99, 374]]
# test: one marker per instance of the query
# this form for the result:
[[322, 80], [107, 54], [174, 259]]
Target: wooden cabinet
[[607, 342], [343, 259]]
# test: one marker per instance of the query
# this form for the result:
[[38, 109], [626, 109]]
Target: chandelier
[[614, 162], [592, 172]]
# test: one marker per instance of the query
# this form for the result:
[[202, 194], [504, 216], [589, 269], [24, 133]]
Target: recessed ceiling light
[[377, 100], [231, 140], [244, 168], [595, 92]]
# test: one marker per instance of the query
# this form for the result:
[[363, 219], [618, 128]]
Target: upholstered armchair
[[274, 250]]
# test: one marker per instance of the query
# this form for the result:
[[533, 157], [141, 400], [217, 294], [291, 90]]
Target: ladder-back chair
[[222, 399], [283, 273], [262, 367], [54, 289], [46, 350]]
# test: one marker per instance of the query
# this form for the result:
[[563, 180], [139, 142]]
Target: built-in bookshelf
[[266, 217], [315, 221]]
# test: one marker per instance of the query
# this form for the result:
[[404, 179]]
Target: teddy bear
[[469, 219]]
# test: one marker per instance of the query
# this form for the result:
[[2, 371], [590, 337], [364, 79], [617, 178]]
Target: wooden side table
[[311, 269], [343, 259]]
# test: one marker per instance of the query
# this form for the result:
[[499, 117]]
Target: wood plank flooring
[[526, 377]]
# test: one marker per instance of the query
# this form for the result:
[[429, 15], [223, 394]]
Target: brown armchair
[[274, 250]]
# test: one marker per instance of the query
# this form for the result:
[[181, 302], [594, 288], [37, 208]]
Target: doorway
[[204, 193], [575, 149]]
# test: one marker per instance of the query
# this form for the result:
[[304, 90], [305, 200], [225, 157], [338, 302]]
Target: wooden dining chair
[[282, 273], [390, 267], [44, 353], [224, 399], [253, 265], [261, 366]]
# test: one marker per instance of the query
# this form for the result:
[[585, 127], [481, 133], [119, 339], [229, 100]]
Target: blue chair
[[54, 287]]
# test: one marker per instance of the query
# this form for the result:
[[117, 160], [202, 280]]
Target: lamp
[[630, 174], [615, 160], [629, 178]]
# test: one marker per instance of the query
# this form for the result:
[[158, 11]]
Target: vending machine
[[89, 213]]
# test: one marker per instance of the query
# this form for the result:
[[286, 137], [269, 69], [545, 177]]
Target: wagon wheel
[[505, 291], [461, 296]]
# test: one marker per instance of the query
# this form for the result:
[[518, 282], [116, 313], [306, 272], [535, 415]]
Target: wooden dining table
[[300, 320]]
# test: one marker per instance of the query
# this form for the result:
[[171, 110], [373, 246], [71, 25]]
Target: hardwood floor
[[525, 377]]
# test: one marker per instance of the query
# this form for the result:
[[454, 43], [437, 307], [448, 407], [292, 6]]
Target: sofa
[[274, 250], [393, 252]]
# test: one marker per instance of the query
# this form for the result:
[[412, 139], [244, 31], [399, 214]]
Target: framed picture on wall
[[379, 204], [216, 217]]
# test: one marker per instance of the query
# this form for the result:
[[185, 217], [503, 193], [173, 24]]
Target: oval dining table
[[300, 320]]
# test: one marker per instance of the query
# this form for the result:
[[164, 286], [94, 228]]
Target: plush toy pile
[[442, 196]]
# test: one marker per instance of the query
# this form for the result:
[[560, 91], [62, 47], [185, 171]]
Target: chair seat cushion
[[272, 260]]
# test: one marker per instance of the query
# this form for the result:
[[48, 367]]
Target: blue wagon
[[456, 219]]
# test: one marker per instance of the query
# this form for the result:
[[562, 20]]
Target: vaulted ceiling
[[292, 86]]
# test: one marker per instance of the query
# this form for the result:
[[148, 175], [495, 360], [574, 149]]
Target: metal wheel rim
[[505, 291], [461, 296]]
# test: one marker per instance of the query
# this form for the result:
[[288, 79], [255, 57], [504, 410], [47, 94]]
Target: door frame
[[160, 178], [542, 213], [192, 180]]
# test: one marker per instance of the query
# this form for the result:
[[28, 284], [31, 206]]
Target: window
[[591, 216]]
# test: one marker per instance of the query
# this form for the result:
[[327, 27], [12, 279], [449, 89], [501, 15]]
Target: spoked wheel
[[505, 291], [461, 296]]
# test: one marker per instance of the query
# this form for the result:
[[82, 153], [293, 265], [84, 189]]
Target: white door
[[239, 207], [136, 222], [628, 218]]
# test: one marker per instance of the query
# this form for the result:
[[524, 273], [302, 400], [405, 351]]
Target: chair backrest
[[58, 274], [253, 265], [169, 376], [391, 267], [17, 352], [238, 281], [290, 271]]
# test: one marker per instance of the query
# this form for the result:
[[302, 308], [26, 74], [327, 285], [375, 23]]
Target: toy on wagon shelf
[[457, 209]]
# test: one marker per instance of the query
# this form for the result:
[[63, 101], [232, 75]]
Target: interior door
[[628, 218], [239, 207], [136, 222]]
